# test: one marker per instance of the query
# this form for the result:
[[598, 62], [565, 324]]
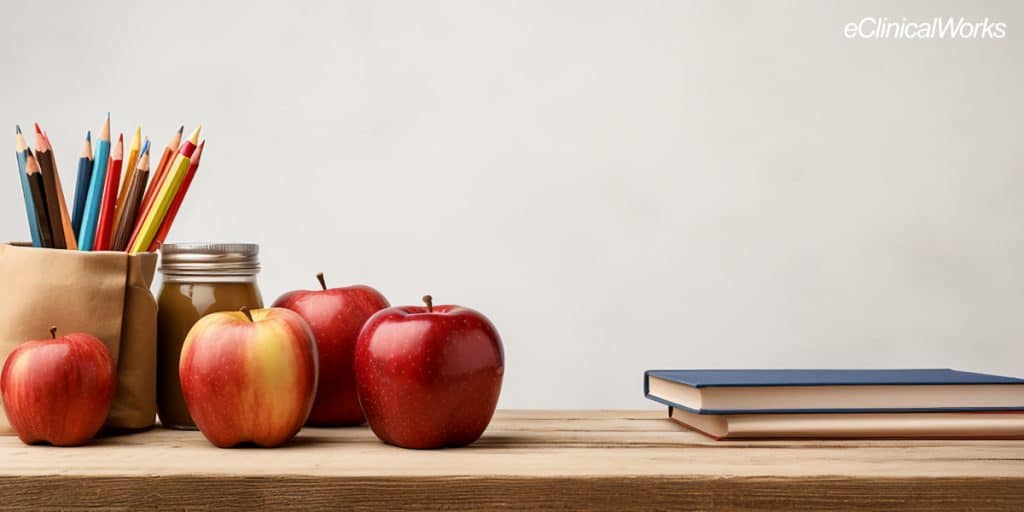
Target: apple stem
[[320, 277], [53, 332], [430, 303], [245, 311]]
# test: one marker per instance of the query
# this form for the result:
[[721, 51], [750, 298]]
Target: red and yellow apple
[[336, 316], [429, 377], [249, 376], [58, 390]]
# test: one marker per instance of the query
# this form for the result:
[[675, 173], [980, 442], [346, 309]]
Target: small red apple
[[429, 377], [58, 390], [335, 315], [249, 376]]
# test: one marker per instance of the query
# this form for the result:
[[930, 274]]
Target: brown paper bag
[[105, 294]]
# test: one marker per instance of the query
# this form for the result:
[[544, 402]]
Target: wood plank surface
[[535, 460]]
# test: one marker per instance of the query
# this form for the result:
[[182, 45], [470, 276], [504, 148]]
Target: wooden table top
[[535, 460]]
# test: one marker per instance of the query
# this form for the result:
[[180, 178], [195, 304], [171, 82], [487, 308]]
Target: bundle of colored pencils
[[109, 213]]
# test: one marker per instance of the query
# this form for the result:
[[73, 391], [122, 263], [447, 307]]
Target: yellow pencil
[[164, 196], [132, 159]]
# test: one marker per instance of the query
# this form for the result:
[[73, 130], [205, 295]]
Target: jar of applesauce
[[198, 279]]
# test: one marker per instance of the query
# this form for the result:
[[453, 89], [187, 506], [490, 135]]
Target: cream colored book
[[911, 425]]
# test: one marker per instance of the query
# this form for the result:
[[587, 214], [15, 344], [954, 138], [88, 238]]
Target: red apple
[[335, 315], [58, 390], [249, 376], [429, 377]]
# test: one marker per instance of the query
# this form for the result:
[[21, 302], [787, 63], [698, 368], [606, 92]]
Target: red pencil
[[172, 211], [109, 202]]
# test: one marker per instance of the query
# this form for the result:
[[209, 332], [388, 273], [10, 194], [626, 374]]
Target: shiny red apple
[[335, 315], [429, 377], [249, 376], [58, 390]]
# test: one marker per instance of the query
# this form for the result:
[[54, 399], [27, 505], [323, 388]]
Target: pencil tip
[[38, 131], [194, 138], [120, 138], [17, 129], [181, 129], [145, 147], [88, 135]]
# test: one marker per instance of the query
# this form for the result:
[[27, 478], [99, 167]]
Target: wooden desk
[[613, 460]]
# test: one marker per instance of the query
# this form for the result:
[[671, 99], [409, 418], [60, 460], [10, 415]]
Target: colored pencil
[[35, 185], [158, 178], [119, 214], [172, 211], [48, 173], [65, 218], [82, 184], [21, 151], [105, 225], [175, 175], [134, 150], [131, 203], [91, 215]]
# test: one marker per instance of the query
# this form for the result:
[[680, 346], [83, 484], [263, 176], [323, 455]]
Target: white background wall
[[618, 185]]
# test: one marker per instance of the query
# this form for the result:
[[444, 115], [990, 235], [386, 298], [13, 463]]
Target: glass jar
[[198, 279]]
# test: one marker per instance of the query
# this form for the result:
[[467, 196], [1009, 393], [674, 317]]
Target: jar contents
[[198, 279]]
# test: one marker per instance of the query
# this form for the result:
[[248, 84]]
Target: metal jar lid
[[209, 259]]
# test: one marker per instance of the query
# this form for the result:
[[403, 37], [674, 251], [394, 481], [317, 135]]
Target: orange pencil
[[158, 178], [172, 212], [109, 202]]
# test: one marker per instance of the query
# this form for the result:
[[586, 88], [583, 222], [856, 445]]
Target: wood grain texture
[[536, 460]]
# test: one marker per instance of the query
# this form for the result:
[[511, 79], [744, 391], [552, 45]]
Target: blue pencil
[[82, 185], [21, 151], [91, 215]]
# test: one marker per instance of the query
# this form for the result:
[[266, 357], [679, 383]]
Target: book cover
[[823, 391]]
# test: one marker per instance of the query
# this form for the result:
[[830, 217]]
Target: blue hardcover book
[[833, 391]]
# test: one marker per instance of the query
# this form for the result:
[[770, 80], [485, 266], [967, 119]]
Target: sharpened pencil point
[[31, 166], [198, 153], [194, 138], [88, 135], [145, 147], [137, 138], [181, 129], [120, 138], [38, 131], [17, 129], [105, 130]]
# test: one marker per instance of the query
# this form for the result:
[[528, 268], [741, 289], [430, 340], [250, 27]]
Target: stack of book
[[919, 404]]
